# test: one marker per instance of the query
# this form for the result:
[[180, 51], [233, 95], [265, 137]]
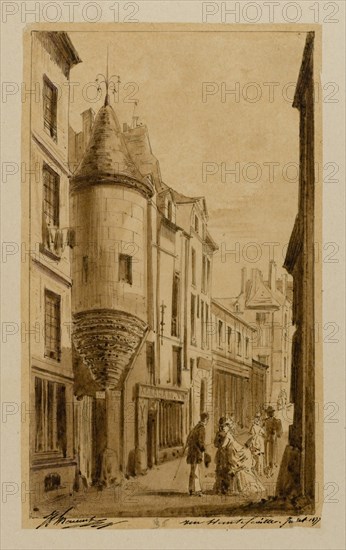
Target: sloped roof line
[[106, 154]]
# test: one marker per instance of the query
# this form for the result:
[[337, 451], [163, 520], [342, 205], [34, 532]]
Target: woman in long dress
[[243, 479]]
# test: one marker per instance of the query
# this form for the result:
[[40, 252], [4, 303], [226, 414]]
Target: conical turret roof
[[107, 159]]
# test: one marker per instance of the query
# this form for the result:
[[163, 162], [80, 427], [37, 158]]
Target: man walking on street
[[273, 430], [195, 448]]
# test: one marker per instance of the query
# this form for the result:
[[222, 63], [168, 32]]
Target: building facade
[[238, 380], [142, 262], [297, 475], [52, 456], [134, 348], [267, 306]]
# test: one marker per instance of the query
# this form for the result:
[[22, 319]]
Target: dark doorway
[[99, 437], [151, 439]]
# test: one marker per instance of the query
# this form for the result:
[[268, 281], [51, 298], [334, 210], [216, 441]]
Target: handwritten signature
[[59, 518]]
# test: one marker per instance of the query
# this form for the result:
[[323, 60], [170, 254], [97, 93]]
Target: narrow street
[[161, 492]]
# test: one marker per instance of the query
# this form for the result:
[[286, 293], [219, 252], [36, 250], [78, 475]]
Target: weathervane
[[111, 85], [135, 117]]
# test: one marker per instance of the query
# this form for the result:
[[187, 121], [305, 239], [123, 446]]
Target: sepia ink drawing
[[170, 368]]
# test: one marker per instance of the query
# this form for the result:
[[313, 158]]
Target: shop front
[[161, 424]]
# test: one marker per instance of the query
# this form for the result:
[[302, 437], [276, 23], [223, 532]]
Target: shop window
[[50, 416], [170, 429]]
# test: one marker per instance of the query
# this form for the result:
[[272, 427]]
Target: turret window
[[125, 268]]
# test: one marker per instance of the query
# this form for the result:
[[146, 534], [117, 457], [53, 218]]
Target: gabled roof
[[107, 159], [180, 198], [223, 304], [184, 199], [259, 296]]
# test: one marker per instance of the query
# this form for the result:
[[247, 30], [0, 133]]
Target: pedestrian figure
[[237, 474], [282, 400], [195, 449], [222, 478], [257, 443], [246, 480], [273, 430]]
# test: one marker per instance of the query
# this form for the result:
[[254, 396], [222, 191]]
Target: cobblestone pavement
[[162, 492]]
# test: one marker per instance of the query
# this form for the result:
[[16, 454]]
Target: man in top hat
[[273, 430], [195, 449]]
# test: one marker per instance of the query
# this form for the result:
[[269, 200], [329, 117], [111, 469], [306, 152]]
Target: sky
[[200, 133]]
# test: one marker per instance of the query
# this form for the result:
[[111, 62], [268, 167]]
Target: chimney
[[88, 117], [256, 275], [243, 279], [272, 276]]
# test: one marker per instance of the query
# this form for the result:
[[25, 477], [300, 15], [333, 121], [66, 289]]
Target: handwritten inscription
[[245, 521]]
